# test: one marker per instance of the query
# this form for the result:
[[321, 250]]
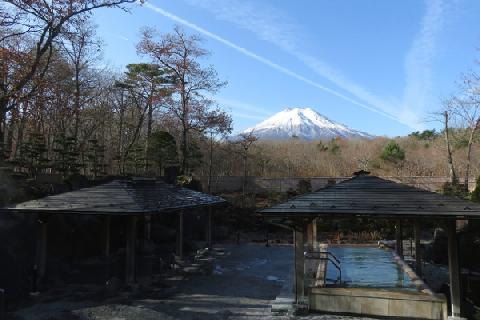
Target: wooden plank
[[299, 265], [454, 270]]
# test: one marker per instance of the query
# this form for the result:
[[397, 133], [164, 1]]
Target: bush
[[304, 186], [475, 195], [392, 152], [455, 190]]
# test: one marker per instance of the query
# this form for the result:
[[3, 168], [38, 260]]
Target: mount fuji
[[303, 123]]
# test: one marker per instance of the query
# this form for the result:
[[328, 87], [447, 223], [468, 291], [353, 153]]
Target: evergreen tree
[[393, 152], [66, 160], [33, 154], [96, 158], [162, 150]]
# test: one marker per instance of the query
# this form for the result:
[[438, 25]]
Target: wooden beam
[[454, 270], [418, 250], [180, 235], [299, 264], [130, 249]]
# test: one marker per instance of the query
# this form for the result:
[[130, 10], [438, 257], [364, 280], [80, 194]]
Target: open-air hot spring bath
[[375, 282], [368, 267]]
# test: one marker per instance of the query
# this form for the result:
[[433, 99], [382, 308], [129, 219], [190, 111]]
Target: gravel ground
[[241, 287]]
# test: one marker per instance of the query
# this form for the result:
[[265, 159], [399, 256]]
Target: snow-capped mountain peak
[[304, 123]]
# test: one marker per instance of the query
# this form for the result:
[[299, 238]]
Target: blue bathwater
[[369, 267]]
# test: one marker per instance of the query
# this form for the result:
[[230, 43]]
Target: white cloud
[[247, 116], [418, 60], [281, 38], [272, 25], [122, 37], [242, 106]]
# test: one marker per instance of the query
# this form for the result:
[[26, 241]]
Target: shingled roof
[[119, 198], [365, 195]]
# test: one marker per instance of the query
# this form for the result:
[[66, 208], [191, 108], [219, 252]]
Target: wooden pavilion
[[131, 199], [374, 197]]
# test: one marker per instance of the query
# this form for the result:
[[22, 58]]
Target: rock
[[116, 312], [112, 286]]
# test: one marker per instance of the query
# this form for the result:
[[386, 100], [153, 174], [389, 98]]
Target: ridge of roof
[[371, 195], [119, 197]]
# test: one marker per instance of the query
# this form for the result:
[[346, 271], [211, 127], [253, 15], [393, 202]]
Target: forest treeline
[[418, 154], [63, 112]]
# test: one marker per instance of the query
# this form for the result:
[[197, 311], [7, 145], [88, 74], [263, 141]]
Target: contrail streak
[[268, 62]]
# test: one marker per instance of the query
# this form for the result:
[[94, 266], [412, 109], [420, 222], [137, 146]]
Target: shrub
[[393, 152]]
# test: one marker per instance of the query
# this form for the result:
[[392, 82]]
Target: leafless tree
[[218, 125], [245, 141], [82, 49], [180, 53], [41, 22], [466, 106]]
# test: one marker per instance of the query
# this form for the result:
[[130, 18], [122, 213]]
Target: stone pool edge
[[421, 304]]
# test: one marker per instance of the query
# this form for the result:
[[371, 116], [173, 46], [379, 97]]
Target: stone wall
[[379, 303]]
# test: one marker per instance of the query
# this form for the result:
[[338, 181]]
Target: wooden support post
[[312, 235], [148, 227], [209, 227], [107, 236], [2, 305], [399, 238], [299, 264], [180, 235], [418, 252], [41, 255], [453, 268], [130, 249]]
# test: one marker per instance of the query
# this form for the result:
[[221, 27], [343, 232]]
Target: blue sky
[[378, 66]]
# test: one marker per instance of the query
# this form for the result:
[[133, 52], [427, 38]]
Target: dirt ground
[[241, 286]]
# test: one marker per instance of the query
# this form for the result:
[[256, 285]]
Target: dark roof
[[373, 196], [119, 198]]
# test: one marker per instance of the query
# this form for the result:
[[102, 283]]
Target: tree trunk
[[2, 134], [451, 169], [149, 134], [469, 151], [13, 130], [244, 184], [210, 165], [184, 151], [184, 131], [121, 158], [77, 102], [20, 135]]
